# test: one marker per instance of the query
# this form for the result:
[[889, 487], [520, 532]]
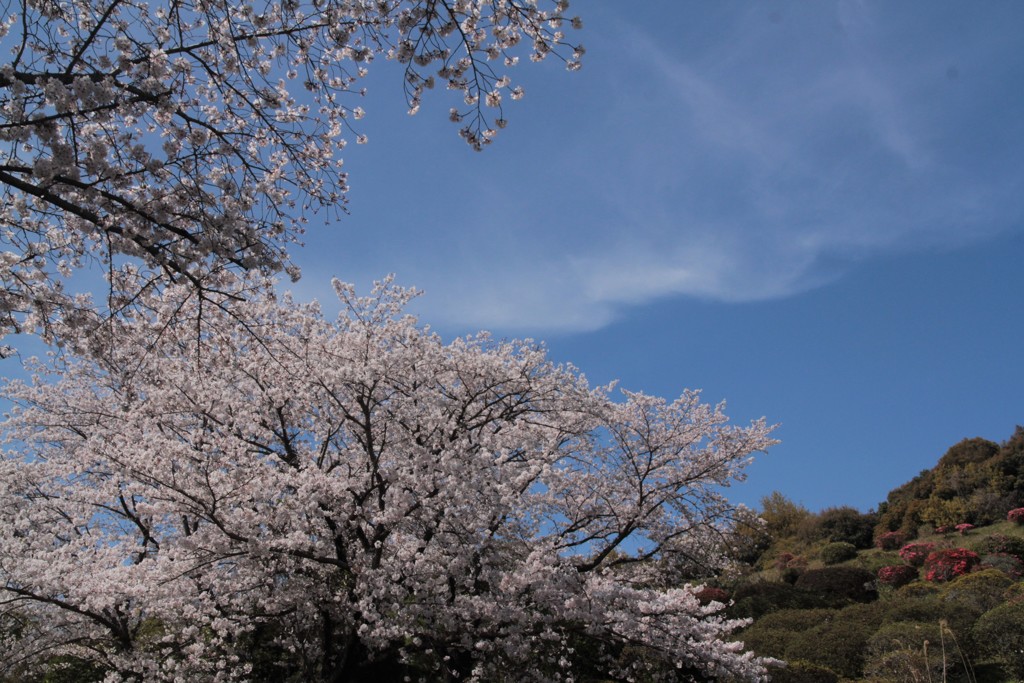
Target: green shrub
[[68, 669], [930, 609], [873, 560], [914, 608], [919, 589], [802, 672], [1000, 544], [850, 583], [980, 591], [999, 634], [834, 553], [968, 452], [758, 598], [871, 614], [1011, 565], [796, 619], [772, 634], [1015, 593], [840, 524], [906, 651], [838, 645]]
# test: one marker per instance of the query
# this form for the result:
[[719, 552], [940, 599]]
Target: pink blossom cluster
[[353, 492], [916, 553], [947, 564], [1016, 516], [896, 575]]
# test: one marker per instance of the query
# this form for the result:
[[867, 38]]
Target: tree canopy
[[355, 495]]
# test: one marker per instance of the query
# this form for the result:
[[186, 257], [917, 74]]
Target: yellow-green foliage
[[773, 633], [977, 591], [906, 651], [782, 516], [1015, 593], [999, 633], [978, 618], [839, 645], [797, 671], [840, 551]]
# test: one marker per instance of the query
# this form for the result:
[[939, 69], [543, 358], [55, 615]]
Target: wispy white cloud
[[752, 167]]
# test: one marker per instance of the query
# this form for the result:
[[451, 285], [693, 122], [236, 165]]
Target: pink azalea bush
[[916, 553], [898, 575], [964, 528], [1016, 516], [949, 563]]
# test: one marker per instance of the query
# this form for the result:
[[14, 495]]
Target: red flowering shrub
[[916, 553], [1016, 516], [964, 528], [891, 540], [896, 575], [944, 530], [946, 565], [709, 594]]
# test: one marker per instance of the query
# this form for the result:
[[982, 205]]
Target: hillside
[[928, 587]]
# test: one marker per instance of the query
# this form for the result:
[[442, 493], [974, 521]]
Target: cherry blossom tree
[[275, 496], [188, 134]]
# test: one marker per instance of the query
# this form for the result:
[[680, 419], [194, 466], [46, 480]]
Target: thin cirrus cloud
[[753, 166]]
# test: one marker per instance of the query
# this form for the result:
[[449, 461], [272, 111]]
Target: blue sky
[[814, 211], [810, 210]]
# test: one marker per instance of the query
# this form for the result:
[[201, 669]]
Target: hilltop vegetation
[[930, 586]]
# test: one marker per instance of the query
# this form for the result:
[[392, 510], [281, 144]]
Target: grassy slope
[[923, 631]]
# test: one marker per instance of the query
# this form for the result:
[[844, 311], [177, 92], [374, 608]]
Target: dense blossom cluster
[[949, 563], [896, 575], [1016, 516], [272, 494], [916, 553], [191, 134]]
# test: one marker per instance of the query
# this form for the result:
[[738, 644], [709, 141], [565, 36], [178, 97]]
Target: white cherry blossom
[[196, 134], [272, 494]]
